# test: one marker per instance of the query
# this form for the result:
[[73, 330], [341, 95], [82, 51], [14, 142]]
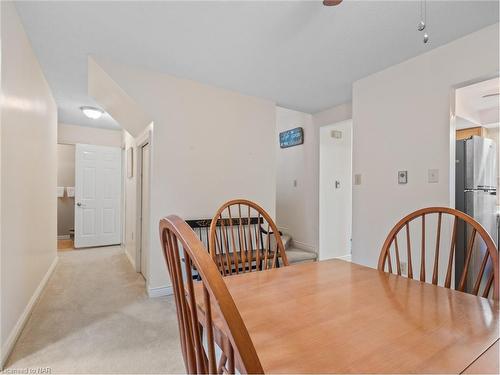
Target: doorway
[[474, 167], [65, 196], [98, 191], [144, 208], [335, 190]]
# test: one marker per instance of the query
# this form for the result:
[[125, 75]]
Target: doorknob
[[79, 204]]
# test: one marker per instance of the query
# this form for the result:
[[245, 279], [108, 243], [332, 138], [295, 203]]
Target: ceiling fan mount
[[331, 3]]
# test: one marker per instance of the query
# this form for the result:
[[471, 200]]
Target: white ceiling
[[302, 55], [478, 103]]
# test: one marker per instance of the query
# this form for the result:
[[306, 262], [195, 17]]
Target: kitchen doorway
[[335, 191], [474, 166]]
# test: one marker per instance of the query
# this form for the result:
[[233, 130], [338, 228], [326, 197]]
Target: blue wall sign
[[292, 137]]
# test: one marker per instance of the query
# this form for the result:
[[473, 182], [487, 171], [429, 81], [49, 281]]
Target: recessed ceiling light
[[92, 112]]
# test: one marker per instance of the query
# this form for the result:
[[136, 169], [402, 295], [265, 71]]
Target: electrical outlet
[[404, 268]]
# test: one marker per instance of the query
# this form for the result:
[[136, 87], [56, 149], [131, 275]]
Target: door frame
[[452, 91], [142, 140]]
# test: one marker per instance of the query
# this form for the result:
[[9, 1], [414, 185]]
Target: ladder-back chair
[[244, 238], [487, 268], [183, 250]]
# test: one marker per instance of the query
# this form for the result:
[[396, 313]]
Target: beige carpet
[[95, 317]]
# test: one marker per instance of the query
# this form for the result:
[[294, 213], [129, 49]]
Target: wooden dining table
[[338, 317]]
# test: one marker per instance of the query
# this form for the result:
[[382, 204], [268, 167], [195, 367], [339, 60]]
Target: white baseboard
[[346, 257], [160, 291], [131, 260], [16, 331], [64, 237], [303, 246]]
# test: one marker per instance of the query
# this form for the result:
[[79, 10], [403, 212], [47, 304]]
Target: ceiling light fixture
[[92, 112], [423, 20]]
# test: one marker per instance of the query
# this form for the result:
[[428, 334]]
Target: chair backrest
[[183, 251], [486, 269], [244, 238]]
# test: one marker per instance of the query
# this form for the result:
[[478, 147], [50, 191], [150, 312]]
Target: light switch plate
[[357, 179], [433, 176], [402, 177], [337, 134]]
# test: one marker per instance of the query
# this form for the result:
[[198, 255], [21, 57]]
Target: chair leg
[[230, 361]]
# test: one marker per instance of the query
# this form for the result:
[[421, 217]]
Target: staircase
[[294, 254]]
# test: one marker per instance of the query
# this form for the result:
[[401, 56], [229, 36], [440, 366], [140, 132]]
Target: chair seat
[[294, 255], [218, 257]]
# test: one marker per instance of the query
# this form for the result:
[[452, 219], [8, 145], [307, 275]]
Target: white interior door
[[144, 209], [98, 175]]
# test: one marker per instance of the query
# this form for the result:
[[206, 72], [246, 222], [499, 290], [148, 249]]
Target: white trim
[[146, 137], [160, 291], [124, 194], [23, 319], [303, 246], [130, 259], [284, 230], [346, 257], [64, 237]]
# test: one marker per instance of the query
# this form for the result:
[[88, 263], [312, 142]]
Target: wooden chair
[[182, 249], [244, 238], [489, 261]]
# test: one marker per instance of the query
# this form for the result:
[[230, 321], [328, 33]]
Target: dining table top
[[338, 317]]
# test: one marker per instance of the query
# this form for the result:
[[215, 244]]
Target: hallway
[[95, 317]]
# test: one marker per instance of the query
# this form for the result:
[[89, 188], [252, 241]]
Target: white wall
[[401, 121], [335, 202], [210, 145], [28, 165], [73, 134], [333, 115], [124, 109], [297, 208]]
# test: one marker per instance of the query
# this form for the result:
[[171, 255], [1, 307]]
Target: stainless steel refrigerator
[[475, 194]]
